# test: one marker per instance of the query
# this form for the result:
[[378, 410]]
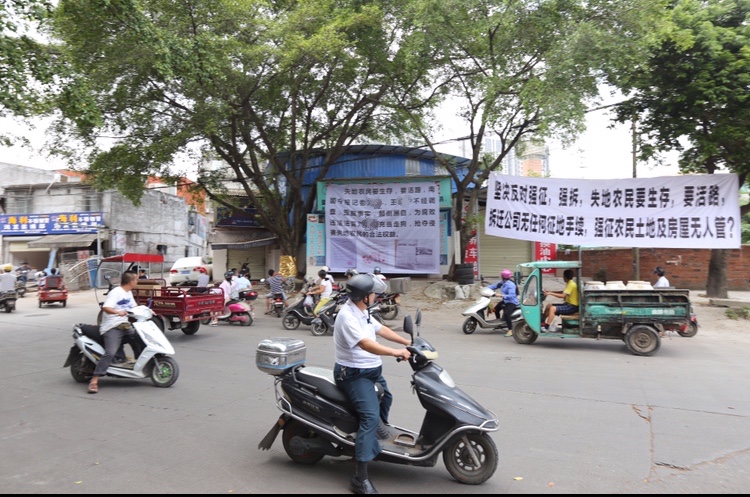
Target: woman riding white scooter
[[509, 293]]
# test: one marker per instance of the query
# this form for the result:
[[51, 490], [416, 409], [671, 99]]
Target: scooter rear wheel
[[247, 319], [166, 373], [389, 312], [470, 326], [81, 369], [290, 322], [471, 458], [292, 429]]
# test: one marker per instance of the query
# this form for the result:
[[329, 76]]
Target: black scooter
[[298, 312], [8, 300], [317, 419]]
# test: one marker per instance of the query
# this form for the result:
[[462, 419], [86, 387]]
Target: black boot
[[362, 487]]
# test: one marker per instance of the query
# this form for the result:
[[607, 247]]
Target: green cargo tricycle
[[639, 317]]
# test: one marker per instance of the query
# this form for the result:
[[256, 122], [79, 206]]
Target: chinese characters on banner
[[696, 211], [60, 223], [392, 225], [545, 252], [471, 256]]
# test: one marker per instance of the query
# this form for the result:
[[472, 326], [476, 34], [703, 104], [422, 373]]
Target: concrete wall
[[13, 174], [685, 268]]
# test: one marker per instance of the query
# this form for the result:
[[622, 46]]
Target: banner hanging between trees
[[395, 226], [691, 211]]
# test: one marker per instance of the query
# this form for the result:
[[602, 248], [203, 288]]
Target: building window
[[89, 202], [20, 203]]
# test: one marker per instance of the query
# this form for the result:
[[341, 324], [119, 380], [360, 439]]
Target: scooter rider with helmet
[[359, 366], [509, 292]]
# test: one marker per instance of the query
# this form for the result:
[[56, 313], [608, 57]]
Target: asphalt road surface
[[576, 416]]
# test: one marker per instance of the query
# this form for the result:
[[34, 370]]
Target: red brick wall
[[684, 268]]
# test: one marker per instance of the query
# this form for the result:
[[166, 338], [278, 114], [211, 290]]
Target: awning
[[64, 241], [241, 239]]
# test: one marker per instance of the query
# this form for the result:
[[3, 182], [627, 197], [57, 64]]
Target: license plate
[[185, 271]]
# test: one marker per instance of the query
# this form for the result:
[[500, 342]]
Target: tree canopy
[[526, 70], [692, 94]]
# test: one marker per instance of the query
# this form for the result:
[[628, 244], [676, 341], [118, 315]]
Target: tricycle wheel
[[296, 452], [165, 374], [81, 369], [191, 328], [470, 326], [290, 322], [206, 321], [523, 334], [65, 303], [691, 330], [471, 458], [642, 340]]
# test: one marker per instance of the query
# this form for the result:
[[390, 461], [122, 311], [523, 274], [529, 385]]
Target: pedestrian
[[569, 306], [142, 274], [378, 274], [116, 328], [359, 367], [662, 282], [509, 293], [202, 280]]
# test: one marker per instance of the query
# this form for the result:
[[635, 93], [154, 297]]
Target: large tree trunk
[[716, 286]]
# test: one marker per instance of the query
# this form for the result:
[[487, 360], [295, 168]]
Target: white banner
[[395, 226], [691, 211]]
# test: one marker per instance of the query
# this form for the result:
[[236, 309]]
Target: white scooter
[[154, 361], [478, 314]]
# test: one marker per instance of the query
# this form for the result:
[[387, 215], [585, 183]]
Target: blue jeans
[[359, 386]]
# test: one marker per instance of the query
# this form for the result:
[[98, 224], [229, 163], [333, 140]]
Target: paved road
[[577, 416]]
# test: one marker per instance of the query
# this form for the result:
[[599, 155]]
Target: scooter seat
[[91, 331], [322, 379]]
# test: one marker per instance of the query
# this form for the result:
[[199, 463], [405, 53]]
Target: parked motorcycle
[[389, 305], [8, 300], [478, 314], [317, 419], [155, 360]]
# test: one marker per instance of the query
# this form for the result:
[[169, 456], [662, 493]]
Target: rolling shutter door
[[497, 253], [255, 257]]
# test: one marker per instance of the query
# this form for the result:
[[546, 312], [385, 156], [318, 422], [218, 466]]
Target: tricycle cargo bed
[[636, 305], [183, 302]]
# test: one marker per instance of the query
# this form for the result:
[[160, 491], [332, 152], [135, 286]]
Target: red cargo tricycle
[[52, 290]]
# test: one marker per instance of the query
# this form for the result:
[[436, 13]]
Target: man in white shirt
[[241, 284], [116, 327], [662, 282], [7, 281]]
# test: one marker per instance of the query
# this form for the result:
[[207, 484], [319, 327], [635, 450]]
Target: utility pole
[[636, 252]]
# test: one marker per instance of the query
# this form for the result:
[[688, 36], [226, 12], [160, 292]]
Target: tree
[[260, 84], [26, 64], [693, 95], [524, 71]]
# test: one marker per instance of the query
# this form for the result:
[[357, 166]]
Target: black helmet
[[362, 285], [659, 271], [351, 272], [376, 270], [228, 275]]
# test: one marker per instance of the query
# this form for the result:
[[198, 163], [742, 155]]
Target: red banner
[[545, 252]]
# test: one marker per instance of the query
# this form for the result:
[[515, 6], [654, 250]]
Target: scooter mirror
[[409, 327], [418, 319]]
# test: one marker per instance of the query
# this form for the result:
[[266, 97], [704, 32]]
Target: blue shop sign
[[59, 223]]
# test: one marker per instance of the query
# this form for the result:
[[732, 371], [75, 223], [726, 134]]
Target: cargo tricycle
[[174, 307], [639, 317], [52, 290]]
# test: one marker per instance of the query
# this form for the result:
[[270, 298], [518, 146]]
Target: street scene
[[575, 416]]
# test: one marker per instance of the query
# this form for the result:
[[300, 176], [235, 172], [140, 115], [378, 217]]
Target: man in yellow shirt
[[570, 306]]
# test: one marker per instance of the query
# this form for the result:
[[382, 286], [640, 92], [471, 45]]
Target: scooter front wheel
[[165, 374], [296, 451], [470, 326], [471, 458]]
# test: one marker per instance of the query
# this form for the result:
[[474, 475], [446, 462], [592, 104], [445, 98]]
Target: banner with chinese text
[[696, 211], [395, 226]]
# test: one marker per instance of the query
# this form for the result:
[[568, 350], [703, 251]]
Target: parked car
[[185, 270]]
